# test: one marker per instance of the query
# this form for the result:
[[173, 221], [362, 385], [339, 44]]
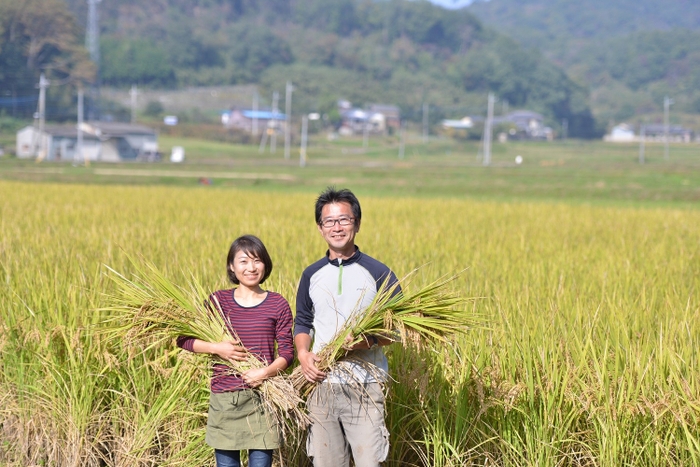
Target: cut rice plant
[[152, 310], [431, 316]]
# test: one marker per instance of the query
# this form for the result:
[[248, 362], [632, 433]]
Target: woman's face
[[248, 270]]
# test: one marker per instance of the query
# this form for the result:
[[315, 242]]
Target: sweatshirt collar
[[353, 259]]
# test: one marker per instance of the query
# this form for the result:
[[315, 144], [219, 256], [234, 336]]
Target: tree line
[[38, 36], [398, 52]]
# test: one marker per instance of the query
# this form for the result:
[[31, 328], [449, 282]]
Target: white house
[[654, 132], [461, 124], [102, 141], [622, 133]]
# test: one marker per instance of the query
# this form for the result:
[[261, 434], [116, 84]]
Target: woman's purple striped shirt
[[258, 327]]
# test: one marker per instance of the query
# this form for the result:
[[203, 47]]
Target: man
[[347, 405]]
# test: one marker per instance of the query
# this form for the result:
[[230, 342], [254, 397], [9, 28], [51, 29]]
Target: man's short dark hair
[[254, 248], [330, 195]]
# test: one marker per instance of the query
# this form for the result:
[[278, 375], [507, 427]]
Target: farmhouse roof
[[385, 109], [657, 128], [116, 129], [59, 130], [264, 115]]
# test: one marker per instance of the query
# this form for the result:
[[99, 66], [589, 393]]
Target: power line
[[667, 104], [288, 110], [18, 100], [487, 130], [92, 37], [92, 43], [43, 84]]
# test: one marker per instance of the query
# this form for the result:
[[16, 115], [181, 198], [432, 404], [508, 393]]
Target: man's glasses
[[344, 221]]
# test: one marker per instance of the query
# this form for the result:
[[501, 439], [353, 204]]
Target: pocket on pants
[[383, 448], [309, 444]]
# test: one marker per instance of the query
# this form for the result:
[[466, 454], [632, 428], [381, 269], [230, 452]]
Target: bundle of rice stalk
[[152, 311], [428, 317]]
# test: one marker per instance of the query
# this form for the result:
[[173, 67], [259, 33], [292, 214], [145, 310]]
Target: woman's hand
[[255, 376], [230, 351]]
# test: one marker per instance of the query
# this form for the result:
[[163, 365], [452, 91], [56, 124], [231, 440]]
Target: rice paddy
[[588, 356]]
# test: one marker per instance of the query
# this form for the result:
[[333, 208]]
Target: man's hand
[[230, 351], [308, 361], [363, 344]]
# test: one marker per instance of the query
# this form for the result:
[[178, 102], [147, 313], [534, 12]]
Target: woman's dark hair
[[253, 247], [330, 195]]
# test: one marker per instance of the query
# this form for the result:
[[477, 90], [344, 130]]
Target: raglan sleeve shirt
[[318, 273]]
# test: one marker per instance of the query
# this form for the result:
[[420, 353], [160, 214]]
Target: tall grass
[[589, 357]]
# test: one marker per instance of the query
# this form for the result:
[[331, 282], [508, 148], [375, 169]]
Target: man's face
[[340, 238]]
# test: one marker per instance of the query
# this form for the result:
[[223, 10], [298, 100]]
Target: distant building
[[461, 124], [344, 105], [622, 133], [527, 125], [102, 141], [676, 133], [353, 122], [253, 121], [390, 115], [521, 124], [377, 118], [654, 132]]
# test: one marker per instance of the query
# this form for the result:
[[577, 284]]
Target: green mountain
[[398, 52], [629, 53]]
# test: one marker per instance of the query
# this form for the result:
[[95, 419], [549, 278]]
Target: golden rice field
[[588, 356]]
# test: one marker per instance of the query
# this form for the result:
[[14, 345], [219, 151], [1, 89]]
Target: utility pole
[[288, 122], [365, 132], [255, 113], [488, 130], [401, 140], [642, 136], [426, 130], [304, 130], [43, 84], [305, 136], [92, 43], [275, 114], [564, 128], [667, 104], [78, 156], [271, 129], [263, 140], [133, 94]]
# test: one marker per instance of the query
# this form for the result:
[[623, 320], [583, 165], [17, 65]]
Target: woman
[[260, 318]]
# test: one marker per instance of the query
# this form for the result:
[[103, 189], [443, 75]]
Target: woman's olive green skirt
[[237, 420]]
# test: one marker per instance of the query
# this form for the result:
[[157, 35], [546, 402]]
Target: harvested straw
[[152, 310], [426, 318]]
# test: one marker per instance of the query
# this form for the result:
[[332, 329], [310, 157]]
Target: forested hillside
[[396, 52], [36, 36], [629, 53]]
